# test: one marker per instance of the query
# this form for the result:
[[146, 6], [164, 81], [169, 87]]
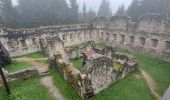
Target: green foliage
[[101, 45], [130, 88], [117, 66], [133, 87], [158, 69], [64, 87], [78, 46], [16, 66], [33, 55], [30, 89], [78, 63]]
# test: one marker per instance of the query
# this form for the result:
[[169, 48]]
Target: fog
[[114, 4], [94, 4]]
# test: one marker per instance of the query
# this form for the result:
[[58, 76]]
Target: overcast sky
[[94, 4]]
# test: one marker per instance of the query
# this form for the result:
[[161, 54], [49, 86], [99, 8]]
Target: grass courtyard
[[133, 87], [29, 89]]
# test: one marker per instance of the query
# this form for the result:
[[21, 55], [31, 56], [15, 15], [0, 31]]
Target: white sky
[[94, 4]]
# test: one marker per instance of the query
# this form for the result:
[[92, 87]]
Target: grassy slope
[[158, 69], [33, 55], [78, 63], [101, 45], [65, 88], [133, 87], [16, 66], [30, 89]]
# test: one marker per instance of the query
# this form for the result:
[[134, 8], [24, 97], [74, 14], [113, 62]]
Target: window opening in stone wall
[[64, 36], [23, 43], [114, 37], [142, 41], [168, 45], [131, 39], [71, 36], [107, 36], [34, 40], [122, 38], [154, 42]]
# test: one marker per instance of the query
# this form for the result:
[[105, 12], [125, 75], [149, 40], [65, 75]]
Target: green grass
[[101, 45], [158, 69], [78, 63], [133, 87], [33, 55], [30, 89], [64, 87], [42, 61], [77, 46], [16, 66]]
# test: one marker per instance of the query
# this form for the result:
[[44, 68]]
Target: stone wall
[[150, 34], [20, 75], [23, 74], [97, 74]]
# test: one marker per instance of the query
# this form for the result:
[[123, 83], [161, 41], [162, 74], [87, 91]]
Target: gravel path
[[48, 82], [151, 83], [40, 66]]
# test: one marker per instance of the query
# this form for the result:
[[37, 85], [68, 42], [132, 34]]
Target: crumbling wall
[[152, 23], [108, 69]]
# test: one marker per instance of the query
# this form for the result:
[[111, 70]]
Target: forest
[[34, 13]]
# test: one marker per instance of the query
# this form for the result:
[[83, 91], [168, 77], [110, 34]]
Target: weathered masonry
[[151, 35]]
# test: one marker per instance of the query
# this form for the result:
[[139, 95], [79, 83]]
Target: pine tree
[[134, 9], [104, 9], [91, 14], [121, 11], [84, 12], [74, 12], [8, 13]]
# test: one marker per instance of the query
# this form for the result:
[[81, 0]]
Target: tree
[[121, 11], [84, 12], [7, 13], [104, 9], [134, 9], [43, 12], [74, 12], [91, 14], [142, 7]]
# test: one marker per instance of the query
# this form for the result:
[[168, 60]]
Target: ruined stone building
[[149, 35]]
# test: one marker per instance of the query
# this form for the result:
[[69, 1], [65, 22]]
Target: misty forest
[[32, 13]]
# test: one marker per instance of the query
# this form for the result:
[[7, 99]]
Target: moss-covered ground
[[158, 69], [78, 63], [133, 87], [33, 55], [29, 89], [16, 66]]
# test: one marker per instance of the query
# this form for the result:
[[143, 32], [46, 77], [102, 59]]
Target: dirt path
[[48, 82], [151, 83], [42, 67]]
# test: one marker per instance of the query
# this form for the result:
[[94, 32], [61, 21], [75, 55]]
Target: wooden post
[[4, 81]]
